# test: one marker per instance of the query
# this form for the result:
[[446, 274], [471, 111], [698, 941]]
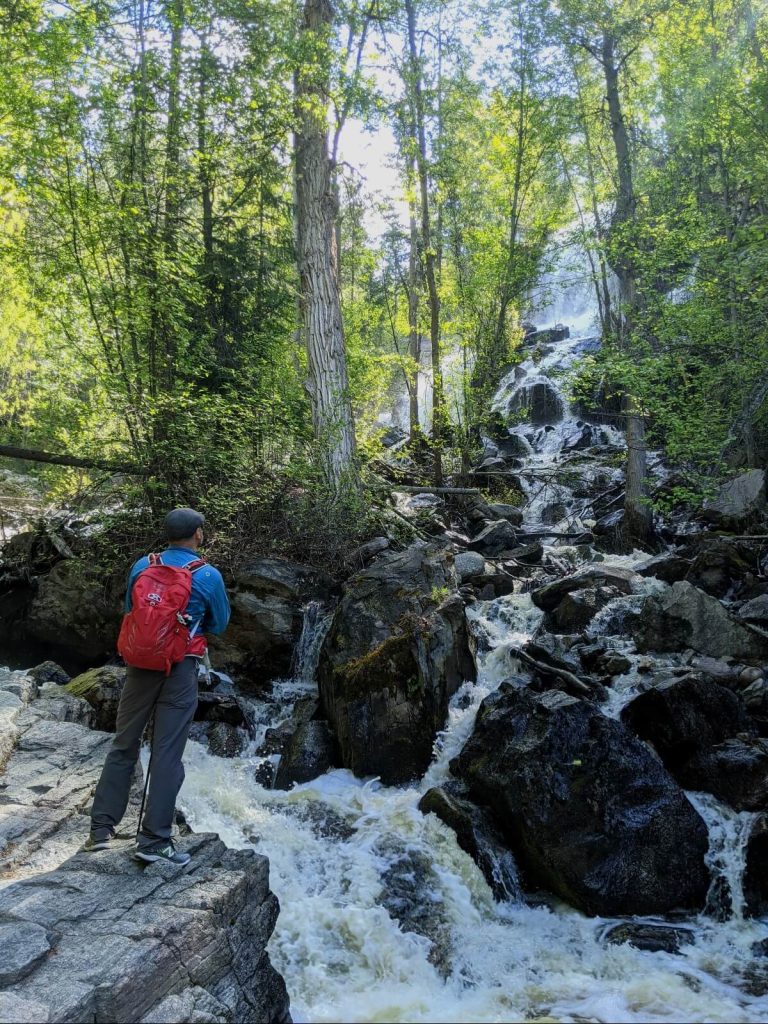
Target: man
[[172, 696]]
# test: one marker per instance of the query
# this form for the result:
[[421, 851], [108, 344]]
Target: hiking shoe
[[98, 841], [163, 851]]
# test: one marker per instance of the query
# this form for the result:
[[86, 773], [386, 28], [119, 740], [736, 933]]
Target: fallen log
[[567, 677], [53, 458]]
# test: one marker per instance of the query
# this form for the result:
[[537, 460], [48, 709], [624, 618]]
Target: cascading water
[[349, 950]]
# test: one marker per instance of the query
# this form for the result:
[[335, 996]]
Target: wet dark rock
[[656, 938], [511, 513], [494, 538], [362, 555], [225, 740], [683, 616], [739, 502], [537, 403], [514, 446], [49, 672], [667, 567], [309, 752], [264, 774], [221, 707], [527, 554], [101, 688], [555, 651], [719, 563], [735, 771], [276, 738], [550, 595], [547, 336], [397, 650], [589, 812], [268, 596], [603, 660], [756, 871], [477, 835], [683, 717], [579, 607], [494, 584]]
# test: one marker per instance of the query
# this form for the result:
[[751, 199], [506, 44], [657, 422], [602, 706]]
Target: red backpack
[[155, 634]]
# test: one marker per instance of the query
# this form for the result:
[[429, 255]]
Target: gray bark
[[316, 214]]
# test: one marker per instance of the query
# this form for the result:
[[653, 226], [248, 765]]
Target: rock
[[221, 707], [550, 595], [667, 567], [101, 688], [225, 740], [49, 672], [362, 555], [718, 563], [755, 611], [397, 650], [756, 870], [511, 513], [71, 607], [683, 616], [309, 752], [478, 836], [159, 932], [740, 500], [736, 771], [22, 947], [496, 537], [538, 403], [604, 660], [268, 596], [656, 938], [469, 564], [547, 336], [579, 607], [683, 717], [526, 554], [513, 446], [589, 812]]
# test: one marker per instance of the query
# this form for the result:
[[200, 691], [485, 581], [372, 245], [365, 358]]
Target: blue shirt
[[207, 602]]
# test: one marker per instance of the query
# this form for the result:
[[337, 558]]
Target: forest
[[200, 289]]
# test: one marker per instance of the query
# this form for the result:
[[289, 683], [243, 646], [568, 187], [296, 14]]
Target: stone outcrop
[[102, 939], [396, 651], [683, 616], [309, 752], [739, 501], [587, 809], [96, 936], [551, 594], [267, 597]]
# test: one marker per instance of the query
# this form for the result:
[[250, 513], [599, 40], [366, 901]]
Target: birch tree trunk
[[316, 215]]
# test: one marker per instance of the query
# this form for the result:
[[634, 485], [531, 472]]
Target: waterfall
[[314, 629]]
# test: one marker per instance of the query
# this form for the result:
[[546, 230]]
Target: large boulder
[[683, 717], [683, 616], [72, 609], [101, 688], [309, 752], [538, 402], [494, 538], [739, 501], [396, 652], [588, 810], [268, 596], [596, 574]]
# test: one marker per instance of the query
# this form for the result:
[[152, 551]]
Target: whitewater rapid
[[335, 846]]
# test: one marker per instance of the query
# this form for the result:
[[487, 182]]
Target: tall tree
[[316, 215]]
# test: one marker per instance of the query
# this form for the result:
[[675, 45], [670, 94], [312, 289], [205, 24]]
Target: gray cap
[[181, 523]]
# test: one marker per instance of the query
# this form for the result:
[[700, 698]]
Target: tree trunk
[[638, 517], [438, 400], [316, 213], [414, 338]]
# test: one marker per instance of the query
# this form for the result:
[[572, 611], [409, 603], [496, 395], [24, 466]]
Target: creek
[[384, 918]]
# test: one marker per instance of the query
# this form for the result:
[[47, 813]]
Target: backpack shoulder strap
[[155, 559], [195, 564]]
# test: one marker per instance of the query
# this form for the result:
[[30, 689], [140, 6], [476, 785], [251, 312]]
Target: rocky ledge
[[99, 937]]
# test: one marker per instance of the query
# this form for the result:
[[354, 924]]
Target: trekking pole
[[149, 769]]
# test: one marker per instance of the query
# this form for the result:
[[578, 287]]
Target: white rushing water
[[339, 844]]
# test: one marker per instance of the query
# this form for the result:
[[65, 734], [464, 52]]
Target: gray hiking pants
[[176, 697]]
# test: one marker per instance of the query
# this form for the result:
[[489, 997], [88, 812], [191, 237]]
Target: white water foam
[[345, 957]]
